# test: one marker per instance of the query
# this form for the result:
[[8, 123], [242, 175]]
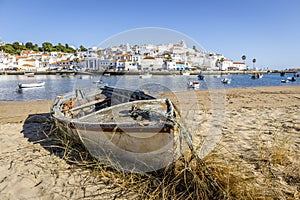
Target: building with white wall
[[239, 65], [151, 63]]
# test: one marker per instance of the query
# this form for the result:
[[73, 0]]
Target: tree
[[18, 47], [47, 46], [244, 58], [29, 45], [60, 47], [82, 48], [8, 48], [70, 50], [35, 48], [254, 61]]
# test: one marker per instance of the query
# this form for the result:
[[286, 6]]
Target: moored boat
[[291, 79], [184, 73], [226, 80], [31, 85], [123, 128], [201, 76], [29, 74], [257, 75], [146, 75], [194, 84]]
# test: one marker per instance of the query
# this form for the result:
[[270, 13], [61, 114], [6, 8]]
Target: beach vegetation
[[221, 175]]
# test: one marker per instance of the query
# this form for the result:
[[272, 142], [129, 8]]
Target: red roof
[[148, 57], [124, 54]]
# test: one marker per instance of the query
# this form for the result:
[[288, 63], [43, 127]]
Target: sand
[[251, 124]]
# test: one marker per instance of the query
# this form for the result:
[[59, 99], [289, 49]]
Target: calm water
[[56, 85]]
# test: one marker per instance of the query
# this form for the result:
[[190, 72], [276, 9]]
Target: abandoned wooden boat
[[126, 129]]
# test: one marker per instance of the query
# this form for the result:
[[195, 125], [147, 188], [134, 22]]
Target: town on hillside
[[147, 57]]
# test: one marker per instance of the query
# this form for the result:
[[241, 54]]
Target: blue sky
[[267, 30]]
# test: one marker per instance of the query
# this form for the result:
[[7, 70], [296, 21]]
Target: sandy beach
[[258, 127]]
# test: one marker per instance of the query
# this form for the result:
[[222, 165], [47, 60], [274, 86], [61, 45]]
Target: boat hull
[[114, 136], [130, 149], [31, 85]]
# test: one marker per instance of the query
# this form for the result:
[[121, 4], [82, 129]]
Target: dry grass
[[269, 175]]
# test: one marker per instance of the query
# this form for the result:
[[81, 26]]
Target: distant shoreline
[[194, 72]]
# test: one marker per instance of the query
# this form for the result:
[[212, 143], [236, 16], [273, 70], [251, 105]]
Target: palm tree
[[244, 59], [254, 61]]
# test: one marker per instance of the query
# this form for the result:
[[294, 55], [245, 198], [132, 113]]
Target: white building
[[169, 65], [151, 63], [92, 64], [225, 64], [239, 65], [137, 59], [126, 65]]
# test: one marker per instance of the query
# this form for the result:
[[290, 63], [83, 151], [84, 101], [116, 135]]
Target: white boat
[[257, 75], [284, 81], [226, 80], [31, 85], [194, 84], [122, 128], [85, 77], [98, 82], [146, 75], [29, 74], [184, 73], [291, 79]]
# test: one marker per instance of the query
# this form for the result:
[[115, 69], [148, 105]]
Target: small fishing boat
[[292, 79], [257, 75], [31, 85], [284, 81], [201, 76], [184, 73], [119, 127], [98, 82], [194, 84], [226, 80], [84, 76]]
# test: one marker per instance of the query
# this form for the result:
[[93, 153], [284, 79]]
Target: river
[[57, 85]]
